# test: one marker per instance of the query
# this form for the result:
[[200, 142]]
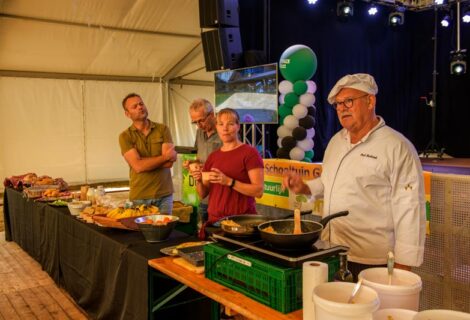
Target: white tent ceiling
[[67, 64], [146, 39]]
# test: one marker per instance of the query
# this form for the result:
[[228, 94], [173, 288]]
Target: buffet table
[[105, 270]]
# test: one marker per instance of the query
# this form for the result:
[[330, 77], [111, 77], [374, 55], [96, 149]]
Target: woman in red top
[[235, 175]]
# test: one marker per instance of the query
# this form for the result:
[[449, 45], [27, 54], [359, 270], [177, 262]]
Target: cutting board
[[185, 264]]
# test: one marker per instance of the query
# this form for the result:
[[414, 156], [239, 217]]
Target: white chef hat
[[359, 81]]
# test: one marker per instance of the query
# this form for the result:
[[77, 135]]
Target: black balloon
[[307, 122], [283, 153], [289, 142], [299, 133], [311, 111]]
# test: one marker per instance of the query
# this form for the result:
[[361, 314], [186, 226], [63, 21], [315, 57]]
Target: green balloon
[[281, 119], [305, 159], [284, 111], [309, 154], [298, 62], [291, 99], [300, 87]]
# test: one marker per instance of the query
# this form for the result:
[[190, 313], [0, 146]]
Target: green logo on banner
[[275, 189]]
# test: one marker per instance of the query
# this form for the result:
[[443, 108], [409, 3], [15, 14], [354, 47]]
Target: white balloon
[[299, 111], [291, 122], [296, 154], [311, 87], [281, 98], [285, 86], [307, 99], [279, 144], [310, 133], [283, 131], [306, 144]]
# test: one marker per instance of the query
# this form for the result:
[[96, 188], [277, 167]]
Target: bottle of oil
[[343, 274]]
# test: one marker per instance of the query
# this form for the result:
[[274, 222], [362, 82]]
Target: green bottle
[[343, 274]]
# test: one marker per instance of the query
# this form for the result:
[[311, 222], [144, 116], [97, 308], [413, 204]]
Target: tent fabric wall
[[181, 96], [68, 128]]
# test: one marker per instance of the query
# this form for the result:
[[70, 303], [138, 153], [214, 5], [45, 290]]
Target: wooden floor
[[27, 292]]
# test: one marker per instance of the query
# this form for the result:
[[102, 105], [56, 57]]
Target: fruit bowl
[[157, 227]]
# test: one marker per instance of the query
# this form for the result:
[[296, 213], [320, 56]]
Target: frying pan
[[248, 224], [284, 239]]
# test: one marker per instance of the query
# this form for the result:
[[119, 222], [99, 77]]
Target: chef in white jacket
[[374, 172]]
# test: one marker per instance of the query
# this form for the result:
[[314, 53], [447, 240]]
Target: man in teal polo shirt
[[148, 148]]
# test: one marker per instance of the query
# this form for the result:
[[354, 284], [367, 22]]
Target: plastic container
[[403, 293], [441, 314], [75, 207], [331, 302], [395, 314]]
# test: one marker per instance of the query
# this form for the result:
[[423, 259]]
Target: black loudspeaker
[[218, 13], [222, 48]]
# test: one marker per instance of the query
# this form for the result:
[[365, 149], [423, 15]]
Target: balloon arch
[[297, 65]]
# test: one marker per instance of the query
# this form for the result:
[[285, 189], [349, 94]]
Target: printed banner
[[274, 196], [190, 196]]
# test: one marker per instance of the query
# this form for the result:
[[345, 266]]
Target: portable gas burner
[[292, 258]]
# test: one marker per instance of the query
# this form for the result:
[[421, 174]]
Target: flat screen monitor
[[252, 92]]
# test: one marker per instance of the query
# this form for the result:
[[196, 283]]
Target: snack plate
[[59, 203], [173, 250], [124, 223], [52, 199]]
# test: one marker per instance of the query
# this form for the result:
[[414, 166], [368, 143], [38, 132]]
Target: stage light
[[445, 22], [372, 11], [344, 9], [396, 18], [458, 65], [466, 15], [312, 1], [439, 2]]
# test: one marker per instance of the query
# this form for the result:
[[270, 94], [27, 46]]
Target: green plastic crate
[[274, 285]]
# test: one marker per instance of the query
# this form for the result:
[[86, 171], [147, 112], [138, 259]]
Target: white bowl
[[331, 298], [395, 314], [75, 207], [441, 314], [403, 293]]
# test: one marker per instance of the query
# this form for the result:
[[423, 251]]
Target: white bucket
[[403, 293], [395, 314], [440, 314], [331, 302]]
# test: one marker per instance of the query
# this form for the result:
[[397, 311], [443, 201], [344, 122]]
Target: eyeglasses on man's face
[[200, 121], [347, 103]]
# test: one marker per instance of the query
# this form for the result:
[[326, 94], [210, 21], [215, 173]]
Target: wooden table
[[234, 300]]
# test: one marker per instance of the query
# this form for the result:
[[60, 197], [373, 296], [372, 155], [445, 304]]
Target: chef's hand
[[294, 183], [217, 176]]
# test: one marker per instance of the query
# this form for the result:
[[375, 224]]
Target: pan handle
[[327, 219]]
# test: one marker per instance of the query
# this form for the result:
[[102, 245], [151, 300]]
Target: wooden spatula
[[297, 228]]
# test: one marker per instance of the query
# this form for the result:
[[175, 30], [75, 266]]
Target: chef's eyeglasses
[[200, 121], [347, 103]]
